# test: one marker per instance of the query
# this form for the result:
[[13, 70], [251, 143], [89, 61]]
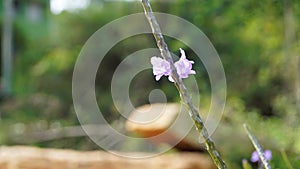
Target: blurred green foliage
[[251, 37]]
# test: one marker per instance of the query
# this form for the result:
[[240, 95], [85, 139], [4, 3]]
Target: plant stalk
[[185, 97], [257, 147]]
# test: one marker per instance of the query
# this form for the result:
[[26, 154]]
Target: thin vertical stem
[[185, 97], [257, 147], [286, 159], [292, 49], [7, 47]]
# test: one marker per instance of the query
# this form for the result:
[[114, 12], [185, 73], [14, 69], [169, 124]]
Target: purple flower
[[162, 68], [184, 66], [255, 156]]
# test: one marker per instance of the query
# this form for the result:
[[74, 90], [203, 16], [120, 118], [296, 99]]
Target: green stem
[[286, 159], [185, 97], [257, 147]]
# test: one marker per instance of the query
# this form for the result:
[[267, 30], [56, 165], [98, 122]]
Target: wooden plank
[[20, 157]]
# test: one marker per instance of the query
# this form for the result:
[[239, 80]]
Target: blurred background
[[258, 43]]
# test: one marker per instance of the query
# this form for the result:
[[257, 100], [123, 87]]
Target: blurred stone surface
[[165, 123], [21, 157]]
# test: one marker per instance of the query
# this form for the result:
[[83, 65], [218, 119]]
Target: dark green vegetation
[[258, 43]]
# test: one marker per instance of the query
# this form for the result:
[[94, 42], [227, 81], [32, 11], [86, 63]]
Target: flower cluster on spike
[[162, 67], [255, 156]]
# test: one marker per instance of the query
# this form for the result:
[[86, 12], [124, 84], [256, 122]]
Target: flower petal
[[171, 79], [160, 67], [255, 157], [184, 66], [268, 154]]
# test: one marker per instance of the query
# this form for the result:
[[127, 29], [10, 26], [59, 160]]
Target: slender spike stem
[[185, 97], [286, 159], [257, 147]]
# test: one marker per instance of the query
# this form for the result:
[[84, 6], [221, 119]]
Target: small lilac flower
[[184, 66], [161, 67], [255, 156], [268, 154]]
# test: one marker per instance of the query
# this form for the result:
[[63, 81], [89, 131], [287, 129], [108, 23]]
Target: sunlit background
[[57, 6]]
